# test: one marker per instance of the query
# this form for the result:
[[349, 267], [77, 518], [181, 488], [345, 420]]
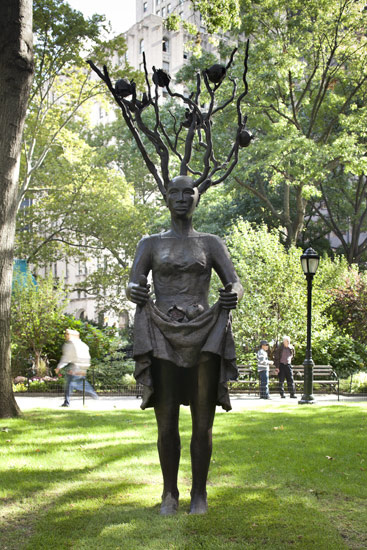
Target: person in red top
[[283, 356]]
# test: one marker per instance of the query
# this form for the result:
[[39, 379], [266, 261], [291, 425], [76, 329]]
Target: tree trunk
[[16, 71]]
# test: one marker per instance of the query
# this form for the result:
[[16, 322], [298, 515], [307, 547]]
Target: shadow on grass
[[268, 476], [238, 518]]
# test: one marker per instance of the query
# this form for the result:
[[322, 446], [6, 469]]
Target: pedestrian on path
[[263, 369], [76, 357], [283, 356]]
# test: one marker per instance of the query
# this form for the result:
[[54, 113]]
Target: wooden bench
[[248, 379]]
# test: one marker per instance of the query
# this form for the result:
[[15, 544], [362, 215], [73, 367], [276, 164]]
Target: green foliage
[[349, 307], [345, 355], [61, 176], [39, 324], [37, 310], [274, 301], [359, 383], [112, 370], [217, 16], [306, 106]]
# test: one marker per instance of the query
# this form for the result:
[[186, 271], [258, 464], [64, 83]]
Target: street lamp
[[310, 262]]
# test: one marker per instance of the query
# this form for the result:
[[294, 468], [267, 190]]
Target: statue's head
[[182, 197]]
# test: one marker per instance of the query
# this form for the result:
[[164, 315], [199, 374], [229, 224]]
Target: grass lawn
[[280, 477]]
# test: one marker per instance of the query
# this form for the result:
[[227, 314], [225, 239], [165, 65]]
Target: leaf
[[329, 457]]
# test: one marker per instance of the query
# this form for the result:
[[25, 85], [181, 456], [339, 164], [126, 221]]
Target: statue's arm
[[138, 290], [223, 265]]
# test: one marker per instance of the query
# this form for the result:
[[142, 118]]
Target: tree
[[349, 306], [16, 71], [36, 312], [89, 213], [307, 86], [275, 289], [62, 84]]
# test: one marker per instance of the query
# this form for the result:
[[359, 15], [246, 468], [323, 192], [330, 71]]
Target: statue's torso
[[181, 269]]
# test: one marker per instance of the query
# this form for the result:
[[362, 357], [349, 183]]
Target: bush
[[275, 296], [111, 370], [359, 383], [345, 355]]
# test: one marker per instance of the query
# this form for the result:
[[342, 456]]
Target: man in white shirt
[[75, 356]]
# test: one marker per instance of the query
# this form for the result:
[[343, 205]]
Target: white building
[[163, 49]]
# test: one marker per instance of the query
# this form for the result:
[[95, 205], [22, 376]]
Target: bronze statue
[[183, 348]]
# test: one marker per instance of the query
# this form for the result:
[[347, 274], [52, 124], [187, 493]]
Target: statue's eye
[[188, 192]]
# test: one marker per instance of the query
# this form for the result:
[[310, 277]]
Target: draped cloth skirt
[[183, 345]]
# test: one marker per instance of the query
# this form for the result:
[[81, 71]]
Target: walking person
[[76, 357], [283, 356], [263, 369]]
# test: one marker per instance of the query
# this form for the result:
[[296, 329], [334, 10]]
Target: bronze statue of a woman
[[183, 348]]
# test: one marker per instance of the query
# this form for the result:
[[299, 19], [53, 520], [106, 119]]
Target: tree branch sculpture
[[195, 128]]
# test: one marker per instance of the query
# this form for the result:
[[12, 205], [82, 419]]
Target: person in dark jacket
[[283, 356]]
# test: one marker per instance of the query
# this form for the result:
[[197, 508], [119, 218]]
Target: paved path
[[105, 403]]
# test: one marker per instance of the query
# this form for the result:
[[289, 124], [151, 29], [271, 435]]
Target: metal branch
[[244, 78], [147, 81], [224, 105], [150, 164]]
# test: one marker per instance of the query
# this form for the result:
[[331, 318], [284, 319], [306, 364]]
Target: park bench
[[324, 377]]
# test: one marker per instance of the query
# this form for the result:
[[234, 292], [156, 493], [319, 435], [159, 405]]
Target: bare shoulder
[[148, 240], [211, 239], [214, 243]]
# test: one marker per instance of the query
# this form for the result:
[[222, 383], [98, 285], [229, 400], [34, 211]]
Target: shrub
[[359, 383], [345, 355], [275, 296]]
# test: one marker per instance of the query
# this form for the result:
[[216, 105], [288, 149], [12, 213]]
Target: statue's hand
[[139, 293], [228, 299]]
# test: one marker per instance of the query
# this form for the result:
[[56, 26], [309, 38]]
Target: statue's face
[[182, 197]]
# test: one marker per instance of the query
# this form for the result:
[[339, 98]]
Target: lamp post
[[310, 262]]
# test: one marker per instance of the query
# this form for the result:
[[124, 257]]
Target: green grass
[[91, 480]]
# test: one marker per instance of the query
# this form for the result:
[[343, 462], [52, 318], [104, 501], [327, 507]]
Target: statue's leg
[[167, 408], [203, 403]]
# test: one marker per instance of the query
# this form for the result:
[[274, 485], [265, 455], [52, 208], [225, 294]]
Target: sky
[[121, 13]]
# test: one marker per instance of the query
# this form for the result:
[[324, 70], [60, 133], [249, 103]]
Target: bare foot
[[169, 505], [199, 504]]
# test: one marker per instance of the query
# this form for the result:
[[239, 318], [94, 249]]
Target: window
[[169, 8], [165, 45], [165, 66], [158, 2], [163, 12], [141, 45], [145, 7], [185, 55], [158, 12]]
